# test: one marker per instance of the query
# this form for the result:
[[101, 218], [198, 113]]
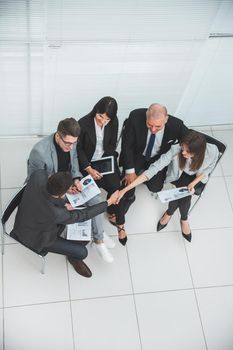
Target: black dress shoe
[[187, 237], [80, 267], [123, 240]]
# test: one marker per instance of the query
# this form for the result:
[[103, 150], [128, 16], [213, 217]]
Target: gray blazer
[[44, 156], [171, 160]]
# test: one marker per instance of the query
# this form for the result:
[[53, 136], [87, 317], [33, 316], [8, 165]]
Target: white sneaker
[[104, 252], [109, 242]]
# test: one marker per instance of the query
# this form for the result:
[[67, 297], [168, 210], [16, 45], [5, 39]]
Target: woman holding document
[[98, 139], [189, 163]]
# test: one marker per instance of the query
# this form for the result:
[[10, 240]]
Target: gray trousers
[[97, 221]]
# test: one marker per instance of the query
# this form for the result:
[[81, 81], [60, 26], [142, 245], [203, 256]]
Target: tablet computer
[[104, 165]]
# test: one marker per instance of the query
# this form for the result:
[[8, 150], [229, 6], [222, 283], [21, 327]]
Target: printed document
[[79, 231], [89, 190], [173, 194]]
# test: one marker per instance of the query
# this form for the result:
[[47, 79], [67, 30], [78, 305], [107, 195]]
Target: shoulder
[[175, 149], [86, 120], [174, 121], [44, 143], [138, 115], [40, 176], [138, 112]]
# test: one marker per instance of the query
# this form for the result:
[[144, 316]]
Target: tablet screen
[[104, 165]]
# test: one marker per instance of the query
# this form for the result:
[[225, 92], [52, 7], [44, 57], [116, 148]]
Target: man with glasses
[[57, 152]]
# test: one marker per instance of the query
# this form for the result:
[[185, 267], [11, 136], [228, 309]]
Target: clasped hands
[[116, 197]]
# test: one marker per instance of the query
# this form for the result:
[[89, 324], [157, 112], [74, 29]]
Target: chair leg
[[42, 270], [194, 204]]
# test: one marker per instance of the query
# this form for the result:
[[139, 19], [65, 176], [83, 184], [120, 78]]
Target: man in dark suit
[[43, 214], [148, 133]]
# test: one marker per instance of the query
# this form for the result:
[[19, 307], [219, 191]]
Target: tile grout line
[[133, 295], [195, 295], [119, 295], [70, 303]]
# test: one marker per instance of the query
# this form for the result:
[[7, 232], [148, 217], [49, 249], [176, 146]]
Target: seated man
[[43, 214], [57, 152], [148, 134]]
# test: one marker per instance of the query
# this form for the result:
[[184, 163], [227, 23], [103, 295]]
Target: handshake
[[116, 197]]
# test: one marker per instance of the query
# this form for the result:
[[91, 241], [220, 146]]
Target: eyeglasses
[[67, 143]]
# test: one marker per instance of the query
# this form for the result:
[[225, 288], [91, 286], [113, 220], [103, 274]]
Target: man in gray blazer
[[57, 152], [43, 214]]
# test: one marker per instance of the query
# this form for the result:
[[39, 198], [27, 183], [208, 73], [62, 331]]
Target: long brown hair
[[196, 144]]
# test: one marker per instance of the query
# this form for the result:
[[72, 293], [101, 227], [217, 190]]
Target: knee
[[82, 253], [153, 187], [95, 200]]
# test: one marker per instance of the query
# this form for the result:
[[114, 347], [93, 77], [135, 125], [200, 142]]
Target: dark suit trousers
[[155, 184], [111, 183], [183, 203], [69, 248]]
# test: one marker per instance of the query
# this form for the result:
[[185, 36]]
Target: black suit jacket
[[40, 217], [134, 137], [87, 140]]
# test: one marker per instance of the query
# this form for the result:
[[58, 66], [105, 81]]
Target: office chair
[[200, 186], [15, 201]]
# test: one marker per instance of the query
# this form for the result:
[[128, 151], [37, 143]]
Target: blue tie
[[149, 147]]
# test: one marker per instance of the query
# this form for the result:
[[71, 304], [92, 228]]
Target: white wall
[[58, 57], [207, 98]]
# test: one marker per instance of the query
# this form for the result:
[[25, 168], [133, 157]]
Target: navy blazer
[[87, 140], [134, 137]]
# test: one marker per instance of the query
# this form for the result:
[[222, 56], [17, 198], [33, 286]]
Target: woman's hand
[[191, 187], [94, 173], [113, 199], [120, 195]]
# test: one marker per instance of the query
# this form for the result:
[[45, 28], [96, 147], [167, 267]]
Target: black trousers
[[155, 184], [183, 204]]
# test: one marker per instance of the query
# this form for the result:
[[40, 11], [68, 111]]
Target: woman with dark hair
[[98, 139], [188, 164]]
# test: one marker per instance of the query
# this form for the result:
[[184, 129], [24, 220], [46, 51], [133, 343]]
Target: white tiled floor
[[161, 292]]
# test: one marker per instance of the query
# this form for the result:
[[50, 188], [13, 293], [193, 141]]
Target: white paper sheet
[[89, 190], [173, 194], [80, 231]]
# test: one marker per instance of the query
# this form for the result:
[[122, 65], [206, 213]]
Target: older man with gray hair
[[148, 133]]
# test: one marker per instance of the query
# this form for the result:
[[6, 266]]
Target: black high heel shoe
[[122, 240], [159, 225], [188, 236]]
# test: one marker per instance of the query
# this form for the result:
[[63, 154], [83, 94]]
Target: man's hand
[[113, 198], [77, 187], [94, 173], [69, 206], [129, 178]]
